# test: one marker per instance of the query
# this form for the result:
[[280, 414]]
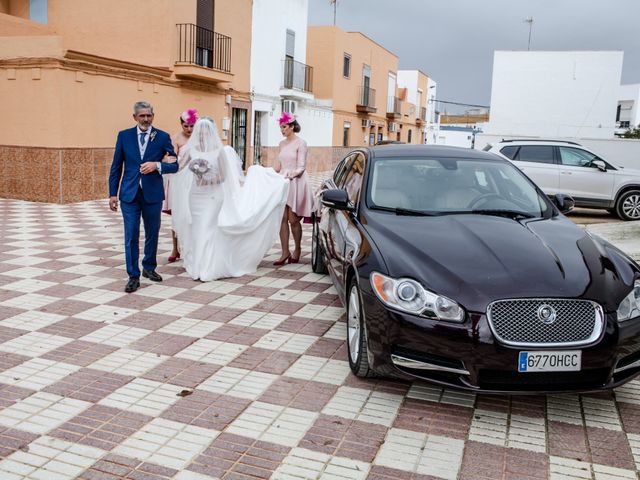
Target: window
[[353, 180], [372, 138], [379, 136], [346, 66], [576, 157], [205, 11], [535, 153], [340, 170], [291, 44], [509, 152], [345, 134], [38, 11], [409, 133]]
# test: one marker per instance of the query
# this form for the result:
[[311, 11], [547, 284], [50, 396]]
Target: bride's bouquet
[[199, 167]]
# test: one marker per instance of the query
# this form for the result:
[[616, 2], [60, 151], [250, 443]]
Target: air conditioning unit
[[393, 127], [289, 106], [366, 123]]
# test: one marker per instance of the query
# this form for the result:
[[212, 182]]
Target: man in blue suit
[[137, 169]]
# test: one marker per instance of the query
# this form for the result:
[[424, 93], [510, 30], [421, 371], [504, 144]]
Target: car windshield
[[447, 186]]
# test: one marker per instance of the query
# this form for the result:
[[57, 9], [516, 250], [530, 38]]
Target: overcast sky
[[453, 41]]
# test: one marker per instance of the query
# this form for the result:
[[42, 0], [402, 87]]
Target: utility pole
[[335, 6], [529, 20]]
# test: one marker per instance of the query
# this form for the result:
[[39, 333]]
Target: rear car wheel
[[317, 262], [628, 205], [356, 339]]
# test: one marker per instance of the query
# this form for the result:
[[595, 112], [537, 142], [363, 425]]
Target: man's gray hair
[[140, 105]]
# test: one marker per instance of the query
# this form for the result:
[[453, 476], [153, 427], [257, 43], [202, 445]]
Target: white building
[[628, 114], [555, 94], [280, 78], [417, 85], [432, 126]]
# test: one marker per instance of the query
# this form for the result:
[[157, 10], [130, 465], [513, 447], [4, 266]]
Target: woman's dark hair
[[296, 126], [181, 120]]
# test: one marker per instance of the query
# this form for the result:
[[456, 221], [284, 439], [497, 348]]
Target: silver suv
[[570, 168]]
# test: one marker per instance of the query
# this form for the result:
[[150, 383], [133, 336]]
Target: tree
[[632, 133]]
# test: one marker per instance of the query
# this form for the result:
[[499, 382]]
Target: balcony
[[394, 108], [297, 76], [366, 100], [203, 54], [422, 116]]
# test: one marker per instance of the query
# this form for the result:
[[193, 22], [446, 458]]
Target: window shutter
[[204, 15], [291, 44]]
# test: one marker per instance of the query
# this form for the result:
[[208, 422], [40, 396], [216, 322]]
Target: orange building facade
[[70, 74], [361, 78]]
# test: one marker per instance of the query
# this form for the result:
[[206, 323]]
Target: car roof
[[391, 151]]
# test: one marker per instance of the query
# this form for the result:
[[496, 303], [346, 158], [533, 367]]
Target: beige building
[[354, 72], [70, 71], [361, 78]]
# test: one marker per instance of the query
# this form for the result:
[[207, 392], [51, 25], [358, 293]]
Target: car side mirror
[[337, 199], [600, 165], [565, 203]]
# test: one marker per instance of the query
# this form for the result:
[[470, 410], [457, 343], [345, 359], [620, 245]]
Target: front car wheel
[[317, 262], [628, 205], [356, 338]]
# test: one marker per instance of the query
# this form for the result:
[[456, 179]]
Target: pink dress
[[293, 164], [166, 179]]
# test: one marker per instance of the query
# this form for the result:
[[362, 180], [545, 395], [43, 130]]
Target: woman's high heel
[[293, 260], [172, 258], [279, 263]]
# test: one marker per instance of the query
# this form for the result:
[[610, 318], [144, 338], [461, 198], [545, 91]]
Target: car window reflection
[[452, 186]]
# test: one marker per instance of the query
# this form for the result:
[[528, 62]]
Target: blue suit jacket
[[127, 158]]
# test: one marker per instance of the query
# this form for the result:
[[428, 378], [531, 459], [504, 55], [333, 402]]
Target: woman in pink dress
[[293, 163], [187, 121]]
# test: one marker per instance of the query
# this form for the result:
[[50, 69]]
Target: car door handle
[[565, 173]]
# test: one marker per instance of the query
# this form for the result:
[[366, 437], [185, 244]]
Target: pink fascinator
[[189, 116], [286, 118]]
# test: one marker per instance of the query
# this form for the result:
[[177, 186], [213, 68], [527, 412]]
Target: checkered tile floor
[[242, 379]]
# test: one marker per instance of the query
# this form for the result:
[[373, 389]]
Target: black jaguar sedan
[[455, 268]]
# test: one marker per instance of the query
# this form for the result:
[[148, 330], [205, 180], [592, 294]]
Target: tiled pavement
[[242, 378]]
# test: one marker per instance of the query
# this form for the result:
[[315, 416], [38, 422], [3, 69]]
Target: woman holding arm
[[187, 122], [293, 163]]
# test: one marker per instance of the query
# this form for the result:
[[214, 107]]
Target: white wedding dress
[[225, 222]]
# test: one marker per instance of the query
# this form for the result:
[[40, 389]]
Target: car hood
[[476, 259]]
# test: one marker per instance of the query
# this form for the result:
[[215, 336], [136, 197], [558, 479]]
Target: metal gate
[[239, 133], [257, 134]]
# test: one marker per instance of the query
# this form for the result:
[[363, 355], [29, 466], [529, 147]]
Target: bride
[[225, 222]]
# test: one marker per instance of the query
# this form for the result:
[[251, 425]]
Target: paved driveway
[[242, 378]]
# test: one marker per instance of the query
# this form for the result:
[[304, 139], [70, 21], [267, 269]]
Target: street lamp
[[529, 20]]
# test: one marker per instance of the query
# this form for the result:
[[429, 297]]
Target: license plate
[[565, 361]]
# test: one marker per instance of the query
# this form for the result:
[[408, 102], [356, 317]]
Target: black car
[[455, 268]]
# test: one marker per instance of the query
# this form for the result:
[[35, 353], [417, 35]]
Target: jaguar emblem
[[546, 314]]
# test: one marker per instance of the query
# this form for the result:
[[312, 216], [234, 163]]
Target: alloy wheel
[[353, 325], [314, 240], [631, 206]]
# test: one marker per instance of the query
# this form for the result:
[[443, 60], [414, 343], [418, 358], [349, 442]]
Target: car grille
[[520, 322]]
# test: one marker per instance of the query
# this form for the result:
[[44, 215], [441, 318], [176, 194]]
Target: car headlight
[[409, 296], [630, 305]]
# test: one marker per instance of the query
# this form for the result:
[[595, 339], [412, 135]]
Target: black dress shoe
[[151, 275], [132, 285]]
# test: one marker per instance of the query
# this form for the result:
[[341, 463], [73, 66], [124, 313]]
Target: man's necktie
[[142, 136]]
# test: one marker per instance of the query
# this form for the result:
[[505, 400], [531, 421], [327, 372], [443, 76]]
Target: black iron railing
[[203, 47], [367, 97], [297, 75]]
